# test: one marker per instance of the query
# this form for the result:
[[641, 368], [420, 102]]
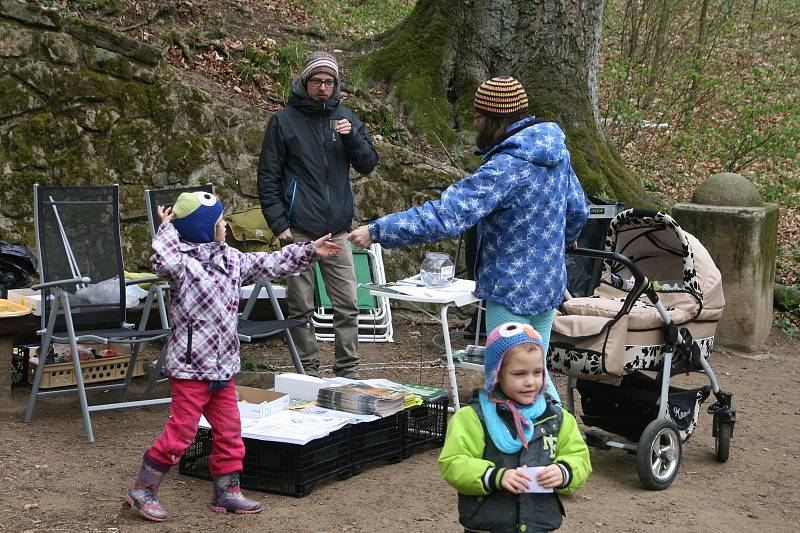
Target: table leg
[[448, 350]]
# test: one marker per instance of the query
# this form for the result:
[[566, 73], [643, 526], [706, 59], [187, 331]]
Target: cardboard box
[[299, 386], [260, 403], [28, 298]]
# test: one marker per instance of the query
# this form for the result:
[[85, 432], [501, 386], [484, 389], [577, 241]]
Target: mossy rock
[[31, 15], [728, 189], [17, 98], [108, 62], [14, 41], [60, 48]]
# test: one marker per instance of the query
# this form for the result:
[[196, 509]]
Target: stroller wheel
[[723, 431], [658, 454]]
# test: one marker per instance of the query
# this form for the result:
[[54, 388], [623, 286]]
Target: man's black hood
[[300, 99]]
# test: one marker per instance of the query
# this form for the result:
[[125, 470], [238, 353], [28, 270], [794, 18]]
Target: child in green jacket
[[525, 428]]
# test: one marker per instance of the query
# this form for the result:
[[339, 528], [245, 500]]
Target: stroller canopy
[[668, 255]]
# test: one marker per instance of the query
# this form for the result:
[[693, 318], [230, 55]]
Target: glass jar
[[437, 270]]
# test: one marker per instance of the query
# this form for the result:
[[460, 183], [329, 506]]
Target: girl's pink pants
[[190, 399]]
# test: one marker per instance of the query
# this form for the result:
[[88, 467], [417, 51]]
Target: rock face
[[84, 105]]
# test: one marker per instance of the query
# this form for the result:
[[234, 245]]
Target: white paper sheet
[[533, 485]]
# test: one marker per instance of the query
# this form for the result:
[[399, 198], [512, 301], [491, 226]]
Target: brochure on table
[[269, 418]]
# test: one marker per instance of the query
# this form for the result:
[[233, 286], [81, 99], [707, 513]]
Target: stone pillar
[[740, 232]]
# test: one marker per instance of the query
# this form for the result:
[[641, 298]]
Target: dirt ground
[[52, 480]]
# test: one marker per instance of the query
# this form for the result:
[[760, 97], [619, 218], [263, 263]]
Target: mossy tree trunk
[[436, 58]]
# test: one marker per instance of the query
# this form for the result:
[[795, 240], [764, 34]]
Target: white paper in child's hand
[[533, 485]]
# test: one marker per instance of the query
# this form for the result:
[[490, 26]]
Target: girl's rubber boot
[[143, 495], [228, 497]]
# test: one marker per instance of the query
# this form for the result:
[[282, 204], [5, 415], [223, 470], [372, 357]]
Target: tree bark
[[436, 58]]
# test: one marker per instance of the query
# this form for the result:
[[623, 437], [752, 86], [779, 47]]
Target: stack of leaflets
[[360, 398], [415, 394], [426, 392]]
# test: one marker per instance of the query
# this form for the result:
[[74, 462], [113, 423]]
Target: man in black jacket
[[304, 187]]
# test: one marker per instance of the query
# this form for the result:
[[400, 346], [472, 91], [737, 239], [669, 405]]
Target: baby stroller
[[656, 309]]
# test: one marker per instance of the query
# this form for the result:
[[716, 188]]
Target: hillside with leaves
[[687, 89]]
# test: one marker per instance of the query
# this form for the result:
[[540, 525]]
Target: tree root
[[305, 30], [161, 12]]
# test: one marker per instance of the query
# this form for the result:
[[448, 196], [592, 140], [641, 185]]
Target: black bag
[[626, 409]]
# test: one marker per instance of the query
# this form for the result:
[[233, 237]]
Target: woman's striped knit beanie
[[319, 62], [500, 97]]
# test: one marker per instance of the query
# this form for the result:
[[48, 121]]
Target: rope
[[435, 363]]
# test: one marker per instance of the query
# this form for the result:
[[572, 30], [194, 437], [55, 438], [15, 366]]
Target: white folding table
[[459, 293]]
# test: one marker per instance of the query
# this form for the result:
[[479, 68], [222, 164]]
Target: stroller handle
[[641, 279]]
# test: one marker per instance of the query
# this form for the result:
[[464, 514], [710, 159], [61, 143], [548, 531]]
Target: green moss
[[599, 171], [19, 193], [414, 72], [768, 247], [97, 35], [200, 118], [179, 156], [136, 249], [226, 144], [110, 63], [252, 135], [25, 141], [16, 98], [128, 145], [60, 48]]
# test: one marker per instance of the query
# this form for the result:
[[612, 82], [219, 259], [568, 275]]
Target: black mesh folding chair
[[248, 330], [78, 239]]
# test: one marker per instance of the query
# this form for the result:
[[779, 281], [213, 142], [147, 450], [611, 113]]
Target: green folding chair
[[374, 316]]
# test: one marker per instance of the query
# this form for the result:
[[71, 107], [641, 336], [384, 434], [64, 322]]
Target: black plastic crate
[[426, 424], [380, 439], [295, 470], [20, 356], [279, 467]]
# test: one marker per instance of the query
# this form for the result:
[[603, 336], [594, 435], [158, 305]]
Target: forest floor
[[53, 480]]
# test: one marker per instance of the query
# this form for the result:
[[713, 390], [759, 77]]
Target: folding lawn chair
[[78, 240], [375, 314], [248, 330]]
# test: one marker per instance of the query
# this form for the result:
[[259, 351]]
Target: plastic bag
[[107, 292], [16, 267]]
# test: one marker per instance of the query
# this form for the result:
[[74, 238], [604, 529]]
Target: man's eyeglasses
[[317, 83]]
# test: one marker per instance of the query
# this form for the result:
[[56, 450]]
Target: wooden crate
[[94, 371]]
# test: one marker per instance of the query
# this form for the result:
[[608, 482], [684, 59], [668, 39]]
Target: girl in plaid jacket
[[205, 276]]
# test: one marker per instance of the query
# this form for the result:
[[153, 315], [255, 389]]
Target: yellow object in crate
[[96, 370], [9, 308]]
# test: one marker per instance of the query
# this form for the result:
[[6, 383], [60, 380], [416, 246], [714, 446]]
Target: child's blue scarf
[[524, 418]]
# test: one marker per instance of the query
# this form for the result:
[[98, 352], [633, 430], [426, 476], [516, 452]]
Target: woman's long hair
[[493, 129]]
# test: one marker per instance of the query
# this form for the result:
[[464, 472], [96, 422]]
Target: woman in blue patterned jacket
[[528, 205]]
